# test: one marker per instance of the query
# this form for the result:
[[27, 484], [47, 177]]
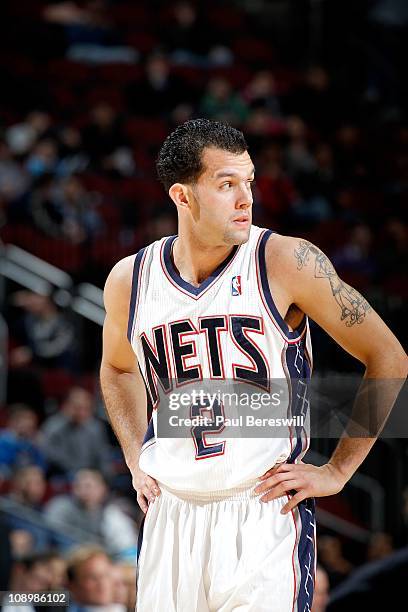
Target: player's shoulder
[[280, 250], [118, 285], [287, 257]]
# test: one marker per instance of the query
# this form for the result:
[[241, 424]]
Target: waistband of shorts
[[243, 492]]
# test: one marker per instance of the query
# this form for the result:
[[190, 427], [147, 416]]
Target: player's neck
[[196, 261]]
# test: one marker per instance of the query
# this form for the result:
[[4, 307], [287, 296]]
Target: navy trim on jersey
[[268, 295], [175, 276], [149, 435], [135, 287], [306, 553], [140, 539], [298, 370]]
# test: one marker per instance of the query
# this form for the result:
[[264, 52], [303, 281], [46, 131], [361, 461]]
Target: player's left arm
[[312, 284]]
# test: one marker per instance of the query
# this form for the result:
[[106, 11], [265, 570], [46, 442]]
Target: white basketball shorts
[[218, 553]]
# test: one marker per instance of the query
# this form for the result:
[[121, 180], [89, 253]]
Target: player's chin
[[239, 235]]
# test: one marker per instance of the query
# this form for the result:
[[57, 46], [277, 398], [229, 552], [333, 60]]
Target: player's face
[[222, 209]]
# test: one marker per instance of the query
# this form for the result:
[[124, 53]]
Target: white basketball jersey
[[225, 333]]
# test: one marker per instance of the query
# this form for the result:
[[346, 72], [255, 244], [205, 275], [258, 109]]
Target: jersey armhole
[[266, 294], [137, 271]]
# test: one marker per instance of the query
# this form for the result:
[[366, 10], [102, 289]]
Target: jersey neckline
[[174, 276]]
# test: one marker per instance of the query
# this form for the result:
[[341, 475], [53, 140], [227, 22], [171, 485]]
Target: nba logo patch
[[236, 288]]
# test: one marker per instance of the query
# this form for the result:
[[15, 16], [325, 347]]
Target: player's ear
[[178, 194]]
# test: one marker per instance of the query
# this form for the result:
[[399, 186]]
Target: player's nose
[[244, 199]]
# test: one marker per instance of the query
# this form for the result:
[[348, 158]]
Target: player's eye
[[226, 185]]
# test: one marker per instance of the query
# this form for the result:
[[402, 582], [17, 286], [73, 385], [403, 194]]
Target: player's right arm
[[121, 381]]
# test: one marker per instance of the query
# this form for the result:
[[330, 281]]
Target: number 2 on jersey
[[214, 413]]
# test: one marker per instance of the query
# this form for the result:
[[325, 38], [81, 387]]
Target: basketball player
[[229, 522]]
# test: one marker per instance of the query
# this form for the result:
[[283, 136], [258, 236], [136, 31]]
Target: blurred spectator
[[57, 571], [380, 546], [89, 509], [299, 159], [324, 176], [188, 37], [260, 93], [103, 135], [90, 581], [124, 585], [321, 590], [222, 103], [315, 100], [310, 207], [351, 159], [261, 125], [159, 91], [19, 440], [332, 559], [65, 209], [355, 257], [393, 256], [43, 158], [14, 180], [21, 136], [32, 574], [74, 438], [47, 336], [276, 190], [28, 487], [72, 158]]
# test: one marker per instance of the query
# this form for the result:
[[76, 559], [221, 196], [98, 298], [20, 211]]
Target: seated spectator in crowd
[[43, 158], [333, 560], [103, 135], [124, 585], [27, 490], [65, 209], [356, 256], [321, 590], [72, 157], [276, 191], [91, 582], [299, 159], [310, 206], [21, 137], [57, 566], [380, 546], [36, 573], [46, 334], [89, 509], [18, 441], [74, 438], [260, 93], [188, 37], [159, 91], [222, 103], [13, 178]]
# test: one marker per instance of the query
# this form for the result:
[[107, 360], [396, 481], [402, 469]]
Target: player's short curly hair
[[179, 159]]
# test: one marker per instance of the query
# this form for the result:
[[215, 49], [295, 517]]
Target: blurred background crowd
[[90, 88]]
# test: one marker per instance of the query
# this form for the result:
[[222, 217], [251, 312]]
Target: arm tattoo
[[352, 304]]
